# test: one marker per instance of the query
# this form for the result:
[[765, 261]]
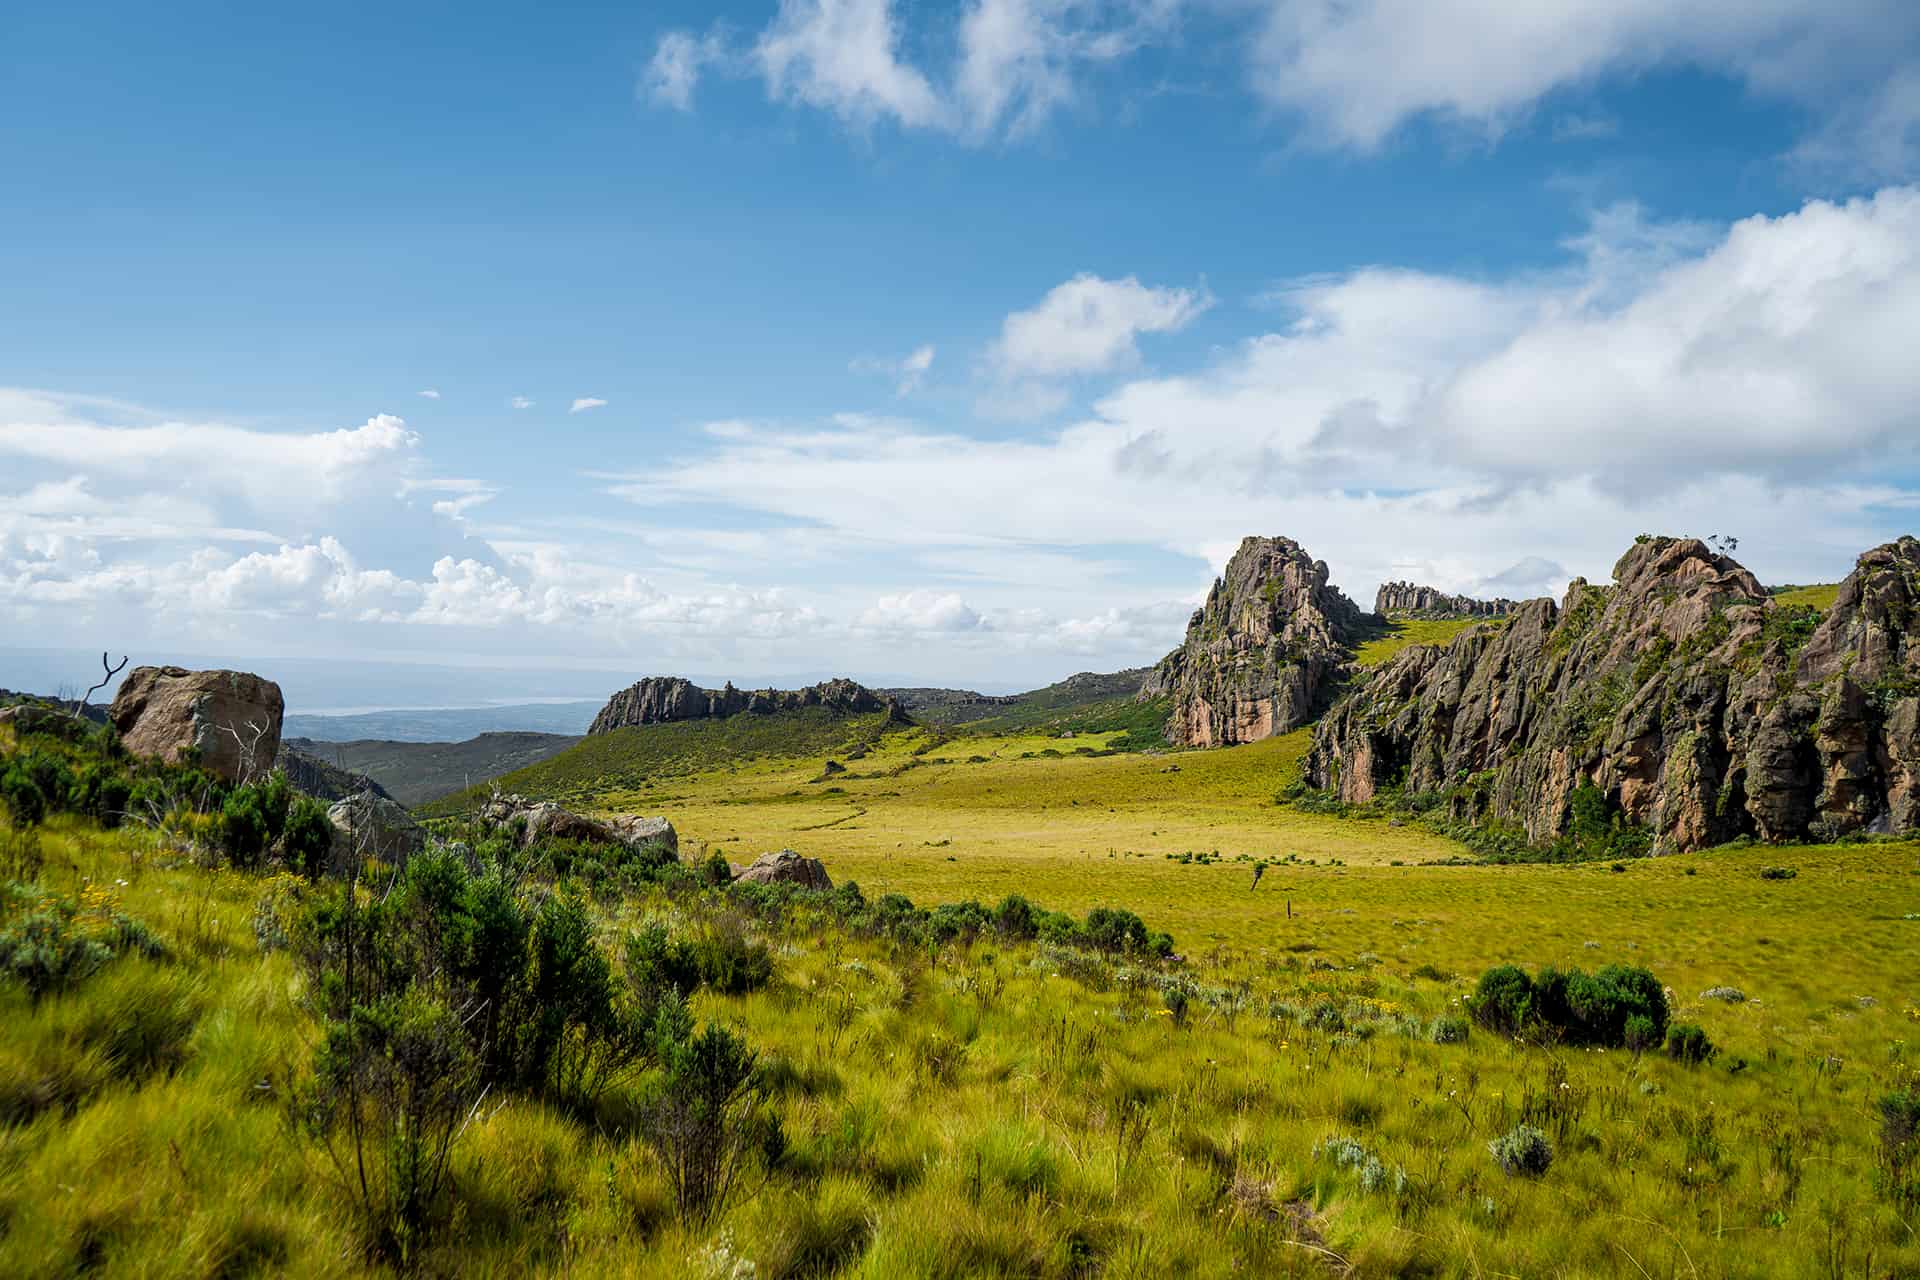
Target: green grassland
[[1817, 597], [995, 1107], [1403, 633]]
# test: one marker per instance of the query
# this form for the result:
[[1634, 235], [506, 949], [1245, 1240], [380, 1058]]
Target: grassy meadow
[[1299, 1094]]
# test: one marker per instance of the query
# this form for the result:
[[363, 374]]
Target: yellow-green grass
[[987, 1114], [1403, 633], [1820, 597]]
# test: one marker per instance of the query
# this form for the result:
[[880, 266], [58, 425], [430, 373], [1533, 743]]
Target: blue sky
[[953, 343]]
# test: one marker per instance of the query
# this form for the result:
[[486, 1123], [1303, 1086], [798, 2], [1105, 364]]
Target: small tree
[[703, 1121]]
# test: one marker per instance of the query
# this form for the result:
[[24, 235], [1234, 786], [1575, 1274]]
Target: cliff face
[[1263, 654], [661, 699], [1701, 708], [1404, 598]]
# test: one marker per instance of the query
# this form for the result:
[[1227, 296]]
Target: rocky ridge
[[1407, 599], [1682, 696], [665, 699], [1265, 652]]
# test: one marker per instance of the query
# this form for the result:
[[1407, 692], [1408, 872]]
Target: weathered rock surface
[[787, 867], [1407, 599], [322, 779], [370, 825], [1700, 707], [663, 699], [546, 820], [1264, 653], [232, 718]]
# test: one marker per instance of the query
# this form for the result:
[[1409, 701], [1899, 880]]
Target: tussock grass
[[1006, 1109]]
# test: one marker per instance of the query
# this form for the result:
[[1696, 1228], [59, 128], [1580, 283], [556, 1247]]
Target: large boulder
[[231, 718], [370, 825], [639, 832], [787, 867], [33, 717]]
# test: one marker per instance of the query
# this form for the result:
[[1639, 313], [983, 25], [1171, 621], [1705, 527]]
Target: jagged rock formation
[[964, 706], [1701, 709], [1264, 653], [1407, 599], [232, 718], [661, 699]]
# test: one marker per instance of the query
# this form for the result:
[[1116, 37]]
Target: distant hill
[[444, 726], [963, 706], [631, 757], [416, 772]]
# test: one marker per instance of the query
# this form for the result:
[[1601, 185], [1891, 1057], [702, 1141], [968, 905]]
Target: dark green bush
[[1778, 873], [703, 1119], [1115, 929], [1689, 1044], [1014, 917], [307, 838], [1504, 1001], [1577, 1007], [1898, 1173]]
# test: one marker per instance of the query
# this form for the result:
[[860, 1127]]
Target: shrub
[[1504, 1001], [1579, 1007], [307, 838], [702, 1120], [1898, 1174], [1014, 917], [393, 1082], [1115, 929], [1639, 1035], [1689, 1044], [1448, 1030], [717, 870], [1522, 1151], [1778, 873], [46, 947], [26, 803]]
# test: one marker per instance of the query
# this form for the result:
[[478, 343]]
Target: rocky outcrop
[[1409, 600], [787, 867], [322, 779], [664, 699], [544, 820], [1696, 705], [369, 825], [1264, 653], [230, 718]]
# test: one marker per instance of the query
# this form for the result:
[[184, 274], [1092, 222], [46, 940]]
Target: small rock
[[1732, 995]]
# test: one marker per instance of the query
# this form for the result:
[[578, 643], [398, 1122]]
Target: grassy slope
[[1015, 1152], [1402, 633], [1820, 597]]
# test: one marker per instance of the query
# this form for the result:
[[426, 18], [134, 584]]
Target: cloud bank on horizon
[[1056, 490]]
